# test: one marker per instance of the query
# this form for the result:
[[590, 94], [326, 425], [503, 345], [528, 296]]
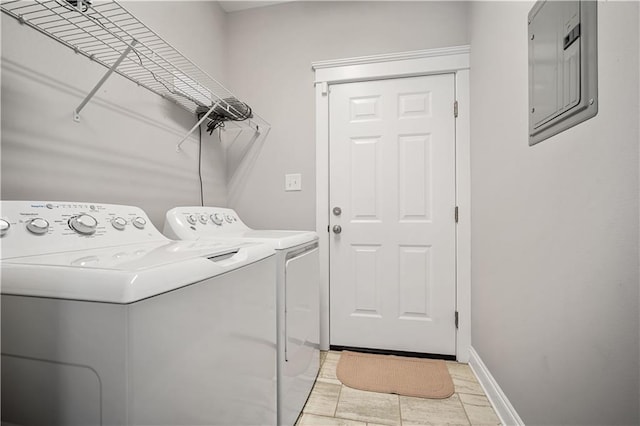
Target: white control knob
[[83, 224], [217, 218], [38, 226], [4, 227], [139, 222], [203, 219], [229, 218], [119, 223], [192, 219]]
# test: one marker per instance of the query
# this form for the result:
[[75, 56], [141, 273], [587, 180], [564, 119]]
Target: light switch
[[293, 182]]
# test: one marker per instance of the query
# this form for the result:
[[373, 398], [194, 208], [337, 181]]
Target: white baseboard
[[500, 402]]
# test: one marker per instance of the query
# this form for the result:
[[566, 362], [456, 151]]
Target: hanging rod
[[109, 35]]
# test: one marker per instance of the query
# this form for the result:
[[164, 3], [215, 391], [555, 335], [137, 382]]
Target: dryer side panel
[[302, 334]]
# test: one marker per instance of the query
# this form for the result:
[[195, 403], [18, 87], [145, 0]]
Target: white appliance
[[107, 322], [298, 283]]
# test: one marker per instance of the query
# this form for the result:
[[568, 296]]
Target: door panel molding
[[405, 64], [371, 180]]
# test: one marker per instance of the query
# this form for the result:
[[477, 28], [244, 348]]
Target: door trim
[[405, 64]]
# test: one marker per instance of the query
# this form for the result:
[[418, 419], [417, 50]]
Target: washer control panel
[[34, 227], [193, 222]]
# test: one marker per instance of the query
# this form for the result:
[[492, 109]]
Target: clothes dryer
[[298, 294], [107, 322]]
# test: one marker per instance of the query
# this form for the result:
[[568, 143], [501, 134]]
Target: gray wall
[[123, 150], [270, 52], [555, 229]]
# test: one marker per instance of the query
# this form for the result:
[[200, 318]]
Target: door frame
[[405, 64]]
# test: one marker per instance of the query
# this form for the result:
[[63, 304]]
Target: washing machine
[[107, 322], [298, 284]]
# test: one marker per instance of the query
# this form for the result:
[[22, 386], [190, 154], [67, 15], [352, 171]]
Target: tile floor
[[332, 403]]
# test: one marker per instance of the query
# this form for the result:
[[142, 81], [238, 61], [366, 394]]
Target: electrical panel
[[563, 71]]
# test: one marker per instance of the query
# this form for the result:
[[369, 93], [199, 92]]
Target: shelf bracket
[[204, 117], [76, 112]]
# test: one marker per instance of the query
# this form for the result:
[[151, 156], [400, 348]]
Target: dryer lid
[[279, 240]]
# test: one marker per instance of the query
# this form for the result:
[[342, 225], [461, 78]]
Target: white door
[[392, 178]]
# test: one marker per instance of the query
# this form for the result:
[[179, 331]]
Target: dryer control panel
[[216, 223], [40, 227], [186, 223]]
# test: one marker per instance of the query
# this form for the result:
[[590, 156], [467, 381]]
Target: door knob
[[337, 229], [337, 211]]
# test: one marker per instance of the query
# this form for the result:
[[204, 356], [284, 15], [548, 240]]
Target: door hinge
[[328, 228], [455, 214], [455, 109], [456, 320]]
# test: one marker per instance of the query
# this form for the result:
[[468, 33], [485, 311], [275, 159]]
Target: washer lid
[[128, 273]]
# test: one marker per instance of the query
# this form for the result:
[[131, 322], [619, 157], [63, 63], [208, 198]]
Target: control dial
[[229, 218], [38, 226], [203, 219], [83, 224], [4, 227], [119, 223], [192, 219], [139, 222], [217, 218]]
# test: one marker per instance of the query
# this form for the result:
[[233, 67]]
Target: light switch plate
[[293, 182]]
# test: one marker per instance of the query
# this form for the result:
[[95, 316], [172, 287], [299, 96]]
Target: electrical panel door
[[562, 66]]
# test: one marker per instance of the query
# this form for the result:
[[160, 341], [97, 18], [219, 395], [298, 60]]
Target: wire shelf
[[108, 34]]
